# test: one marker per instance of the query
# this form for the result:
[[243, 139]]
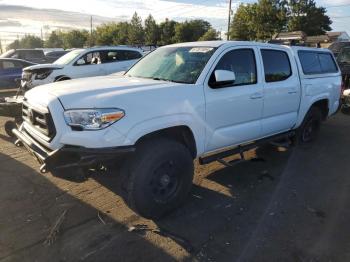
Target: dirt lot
[[293, 206]]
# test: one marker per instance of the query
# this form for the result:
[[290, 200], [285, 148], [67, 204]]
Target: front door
[[233, 113], [89, 65]]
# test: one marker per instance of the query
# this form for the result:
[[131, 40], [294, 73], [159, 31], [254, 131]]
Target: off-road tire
[[310, 127], [158, 177]]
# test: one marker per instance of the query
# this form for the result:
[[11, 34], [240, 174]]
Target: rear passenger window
[[242, 63], [317, 62], [276, 65], [327, 63]]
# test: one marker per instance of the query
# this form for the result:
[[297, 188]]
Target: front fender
[[155, 124]]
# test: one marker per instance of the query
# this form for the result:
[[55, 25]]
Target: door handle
[[292, 92], [256, 96]]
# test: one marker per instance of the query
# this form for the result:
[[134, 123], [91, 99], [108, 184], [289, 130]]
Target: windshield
[[7, 54], [175, 64], [344, 56], [69, 57]]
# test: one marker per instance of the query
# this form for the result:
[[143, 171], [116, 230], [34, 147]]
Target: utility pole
[[229, 20], [90, 31], [0, 47]]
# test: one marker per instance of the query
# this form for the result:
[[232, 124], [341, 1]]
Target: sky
[[39, 17]]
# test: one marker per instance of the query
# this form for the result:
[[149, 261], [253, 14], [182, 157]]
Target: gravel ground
[[294, 205]]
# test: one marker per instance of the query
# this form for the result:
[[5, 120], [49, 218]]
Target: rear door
[[120, 60], [233, 113], [281, 91]]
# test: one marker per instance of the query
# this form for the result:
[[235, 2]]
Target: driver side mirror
[[81, 62], [223, 78]]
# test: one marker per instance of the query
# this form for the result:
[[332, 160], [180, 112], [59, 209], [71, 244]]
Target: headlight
[[43, 74], [93, 119]]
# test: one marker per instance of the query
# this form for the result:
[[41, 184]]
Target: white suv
[[202, 99], [82, 63]]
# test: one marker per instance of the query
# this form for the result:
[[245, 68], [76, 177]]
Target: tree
[[28, 41], [106, 34], [152, 34], [55, 40], [243, 23], [136, 33], [305, 16], [75, 39], [211, 34], [167, 31], [191, 30]]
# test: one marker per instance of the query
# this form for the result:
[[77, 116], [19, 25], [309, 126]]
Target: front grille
[[27, 76], [40, 121]]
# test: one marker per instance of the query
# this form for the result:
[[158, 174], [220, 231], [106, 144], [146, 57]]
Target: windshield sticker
[[200, 49]]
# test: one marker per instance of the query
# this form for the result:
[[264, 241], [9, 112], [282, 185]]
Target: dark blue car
[[10, 70]]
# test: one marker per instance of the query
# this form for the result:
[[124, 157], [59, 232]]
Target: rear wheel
[[159, 177], [309, 129]]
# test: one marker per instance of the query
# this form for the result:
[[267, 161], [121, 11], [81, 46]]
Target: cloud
[[8, 22]]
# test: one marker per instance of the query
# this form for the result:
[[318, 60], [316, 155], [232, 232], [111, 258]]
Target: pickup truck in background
[[79, 63], [205, 100]]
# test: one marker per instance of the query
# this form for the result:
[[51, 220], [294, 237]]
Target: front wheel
[[310, 127], [159, 177]]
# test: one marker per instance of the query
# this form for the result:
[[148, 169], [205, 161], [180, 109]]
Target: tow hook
[[18, 143]]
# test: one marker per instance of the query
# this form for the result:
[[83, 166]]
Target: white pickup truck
[[203, 100]]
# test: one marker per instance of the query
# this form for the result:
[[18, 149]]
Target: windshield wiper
[[169, 80]]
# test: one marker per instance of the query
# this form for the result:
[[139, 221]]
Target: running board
[[241, 149]]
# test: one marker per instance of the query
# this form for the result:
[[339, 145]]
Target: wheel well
[[323, 106], [61, 78], [182, 134]]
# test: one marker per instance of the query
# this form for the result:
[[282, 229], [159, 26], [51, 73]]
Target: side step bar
[[240, 149]]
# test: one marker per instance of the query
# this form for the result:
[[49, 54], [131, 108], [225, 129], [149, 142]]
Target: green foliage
[[55, 40], [210, 35], [152, 32], [261, 20], [28, 41], [189, 31], [136, 33], [75, 38], [305, 16], [167, 31]]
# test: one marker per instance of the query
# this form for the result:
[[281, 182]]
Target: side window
[[309, 62], [110, 57], [327, 63], [8, 65], [276, 65], [92, 58], [317, 62], [242, 63]]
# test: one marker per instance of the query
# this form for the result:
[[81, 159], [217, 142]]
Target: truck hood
[[94, 92], [43, 66]]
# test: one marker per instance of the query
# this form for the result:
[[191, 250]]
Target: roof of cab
[[220, 43]]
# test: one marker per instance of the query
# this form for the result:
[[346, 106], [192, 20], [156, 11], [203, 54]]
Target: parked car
[[11, 71], [52, 56], [346, 102], [31, 55], [202, 99], [80, 63]]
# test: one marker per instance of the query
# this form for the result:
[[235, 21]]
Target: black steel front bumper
[[69, 156]]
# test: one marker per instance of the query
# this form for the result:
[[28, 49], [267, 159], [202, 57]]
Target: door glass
[[242, 63], [276, 65], [7, 65], [327, 63], [93, 58]]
